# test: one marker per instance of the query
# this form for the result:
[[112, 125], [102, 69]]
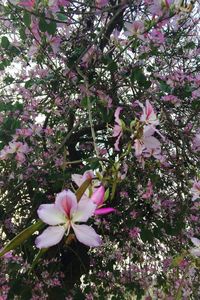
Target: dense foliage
[[100, 98]]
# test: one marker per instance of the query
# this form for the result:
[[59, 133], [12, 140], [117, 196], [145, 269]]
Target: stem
[[92, 130]]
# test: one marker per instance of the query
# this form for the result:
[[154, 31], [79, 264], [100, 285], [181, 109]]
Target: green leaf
[[37, 258], [165, 87], [43, 24], [8, 79], [21, 237], [22, 33], [5, 42], [112, 66], [138, 75], [61, 17], [107, 193], [146, 235], [27, 18], [81, 190], [51, 28], [190, 45], [84, 102]]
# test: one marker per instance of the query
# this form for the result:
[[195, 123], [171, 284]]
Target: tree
[[99, 114]]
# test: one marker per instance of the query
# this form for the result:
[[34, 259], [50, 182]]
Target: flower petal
[[104, 211], [195, 251], [50, 236], [66, 201], [151, 142], [85, 210], [50, 214], [98, 196], [87, 235], [78, 179], [196, 242]]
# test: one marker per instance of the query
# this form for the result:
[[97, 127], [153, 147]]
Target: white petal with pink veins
[[66, 201], [50, 236], [87, 235], [51, 215], [85, 210]]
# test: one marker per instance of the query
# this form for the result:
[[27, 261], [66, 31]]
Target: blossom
[[196, 143], [195, 190], [148, 115], [146, 141], [28, 4], [18, 148], [98, 199], [117, 131], [135, 28], [80, 179], [149, 191], [195, 250], [62, 216]]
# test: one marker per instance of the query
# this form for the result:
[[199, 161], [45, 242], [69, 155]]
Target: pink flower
[[98, 199], [147, 141], [195, 190], [101, 3], [62, 216], [117, 131], [149, 191], [195, 250], [196, 143], [135, 28], [28, 4], [80, 179], [134, 233], [149, 116]]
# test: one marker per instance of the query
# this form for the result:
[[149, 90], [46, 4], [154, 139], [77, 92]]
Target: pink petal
[[51, 215], [98, 196], [66, 201], [117, 113], [78, 179], [85, 210], [50, 236], [104, 211], [139, 147], [116, 145], [148, 130], [151, 142], [87, 235]]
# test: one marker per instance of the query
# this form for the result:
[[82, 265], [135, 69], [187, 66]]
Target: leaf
[[21, 237], [43, 24], [37, 258], [177, 260], [165, 87], [5, 42], [51, 28], [107, 193], [84, 102], [61, 17], [27, 18], [138, 75], [81, 190], [146, 235]]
